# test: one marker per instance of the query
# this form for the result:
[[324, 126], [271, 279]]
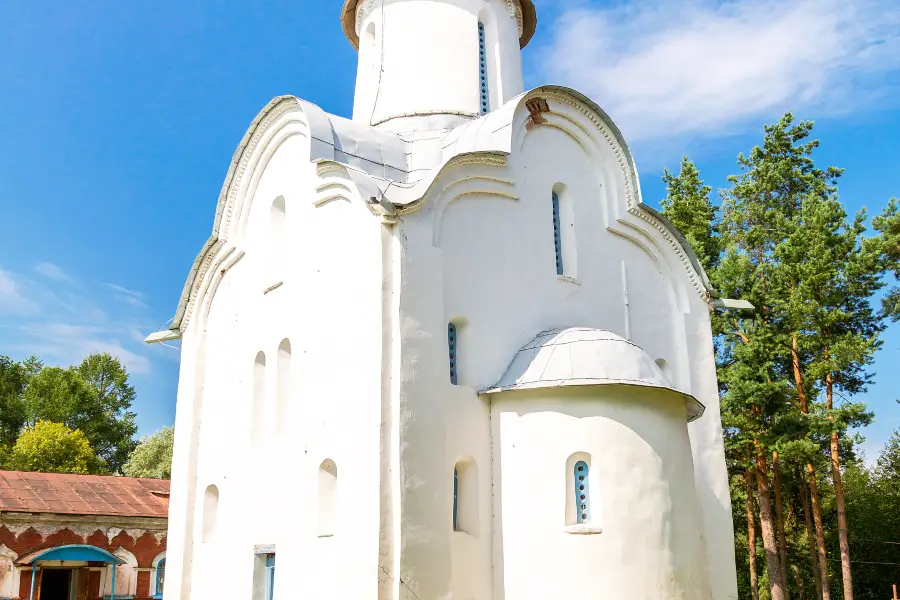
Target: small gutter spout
[[729, 304]]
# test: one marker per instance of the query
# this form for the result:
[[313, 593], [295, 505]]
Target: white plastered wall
[[481, 249], [644, 538], [321, 290], [417, 65]]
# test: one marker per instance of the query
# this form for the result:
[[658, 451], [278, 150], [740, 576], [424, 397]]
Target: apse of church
[[447, 344]]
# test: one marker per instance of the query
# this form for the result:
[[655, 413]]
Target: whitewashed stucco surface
[[360, 263]]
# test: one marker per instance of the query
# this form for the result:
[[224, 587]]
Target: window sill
[[568, 279], [583, 529]]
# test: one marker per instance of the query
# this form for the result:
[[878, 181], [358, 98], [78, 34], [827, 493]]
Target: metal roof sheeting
[[83, 494], [582, 356]]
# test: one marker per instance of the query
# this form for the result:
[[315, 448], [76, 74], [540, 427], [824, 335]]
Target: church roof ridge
[[384, 166]]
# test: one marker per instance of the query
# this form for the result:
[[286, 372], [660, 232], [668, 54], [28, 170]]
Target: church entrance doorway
[[55, 584]]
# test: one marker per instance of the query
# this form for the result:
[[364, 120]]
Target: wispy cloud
[[123, 294], [67, 344], [12, 299], [670, 68], [52, 271], [61, 320]]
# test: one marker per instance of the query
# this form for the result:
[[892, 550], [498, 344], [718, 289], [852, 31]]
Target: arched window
[[582, 493], [452, 344], [277, 223], [283, 387], [564, 231], [483, 70], [465, 497], [258, 418], [327, 498], [160, 578], [210, 513]]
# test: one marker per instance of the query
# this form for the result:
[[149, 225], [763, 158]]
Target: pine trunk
[[798, 578], [779, 517], [819, 564], [777, 579], [751, 536], [820, 532], [847, 576], [811, 538]]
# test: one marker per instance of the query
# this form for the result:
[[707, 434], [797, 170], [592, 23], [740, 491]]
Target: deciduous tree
[[153, 456], [52, 448]]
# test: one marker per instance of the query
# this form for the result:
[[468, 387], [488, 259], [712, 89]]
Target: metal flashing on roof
[[582, 356]]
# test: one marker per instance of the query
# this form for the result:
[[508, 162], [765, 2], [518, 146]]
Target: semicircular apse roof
[[581, 356]]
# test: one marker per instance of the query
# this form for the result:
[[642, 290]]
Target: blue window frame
[[582, 493], [455, 499], [160, 578], [482, 70], [557, 235], [270, 576], [451, 346]]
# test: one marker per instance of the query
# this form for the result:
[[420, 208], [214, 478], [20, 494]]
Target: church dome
[[581, 356], [348, 21]]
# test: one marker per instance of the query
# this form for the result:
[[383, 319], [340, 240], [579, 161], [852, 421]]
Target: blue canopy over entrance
[[75, 552]]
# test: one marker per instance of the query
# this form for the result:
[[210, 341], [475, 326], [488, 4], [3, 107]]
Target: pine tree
[[888, 244], [688, 207]]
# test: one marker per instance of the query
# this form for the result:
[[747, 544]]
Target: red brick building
[[61, 535]]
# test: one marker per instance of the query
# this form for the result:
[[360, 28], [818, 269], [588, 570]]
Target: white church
[[442, 350]]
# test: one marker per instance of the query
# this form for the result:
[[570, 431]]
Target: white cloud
[[70, 344], [11, 298], [123, 294], [673, 68], [69, 323], [52, 271]]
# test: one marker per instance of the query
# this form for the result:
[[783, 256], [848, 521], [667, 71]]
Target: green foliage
[[93, 398], [112, 429], [688, 207], [52, 448], [789, 371], [887, 224], [153, 456], [12, 409]]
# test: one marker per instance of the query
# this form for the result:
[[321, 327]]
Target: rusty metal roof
[[83, 494]]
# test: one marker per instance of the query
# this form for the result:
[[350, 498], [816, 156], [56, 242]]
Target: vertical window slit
[[482, 69], [582, 493], [455, 499], [557, 235], [451, 345]]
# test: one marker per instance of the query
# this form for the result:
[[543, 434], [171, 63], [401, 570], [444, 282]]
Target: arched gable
[[485, 144]]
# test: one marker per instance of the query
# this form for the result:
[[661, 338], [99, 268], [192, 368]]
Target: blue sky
[[121, 118]]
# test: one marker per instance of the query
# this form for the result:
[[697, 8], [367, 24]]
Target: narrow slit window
[[455, 499], [582, 493], [557, 235], [482, 70], [270, 576], [451, 347]]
